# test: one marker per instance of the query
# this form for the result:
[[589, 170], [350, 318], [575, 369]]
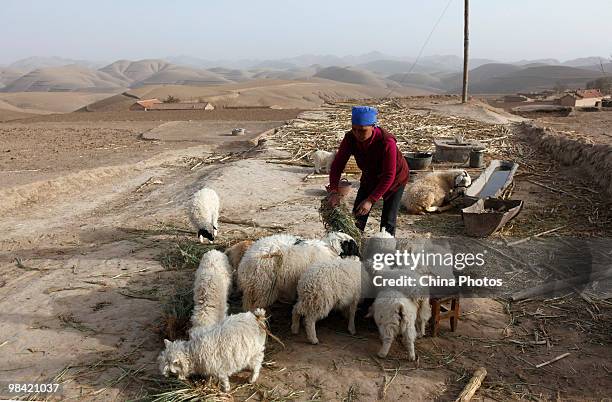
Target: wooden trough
[[483, 212], [485, 217]]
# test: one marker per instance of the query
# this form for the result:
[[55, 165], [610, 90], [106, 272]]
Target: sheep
[[204, 213], [272, 266], [322, 160], [331, 285], [428, 194], [395, 314], [236, 252], [234, 344], [211, 288]]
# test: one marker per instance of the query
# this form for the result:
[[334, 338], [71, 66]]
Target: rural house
[[581, 98], [145, 104], [155, 104]]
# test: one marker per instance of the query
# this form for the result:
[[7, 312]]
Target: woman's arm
[[339, 163], [388, 171]]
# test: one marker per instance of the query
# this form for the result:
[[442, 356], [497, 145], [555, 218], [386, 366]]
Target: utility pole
[[466, 45]]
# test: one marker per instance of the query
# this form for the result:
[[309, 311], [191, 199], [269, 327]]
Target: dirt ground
[[596, 125], [84, 275]]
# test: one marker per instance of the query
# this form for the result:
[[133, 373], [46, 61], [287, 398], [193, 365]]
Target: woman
[[384, 169]]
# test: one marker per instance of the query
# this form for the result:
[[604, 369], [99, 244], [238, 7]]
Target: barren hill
[[535, 78], [66, 78], [180, 75], [132, 71], [351, 75], [8, 75]]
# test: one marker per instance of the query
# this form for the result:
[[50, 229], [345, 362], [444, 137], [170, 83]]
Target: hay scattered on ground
[[339, 219]]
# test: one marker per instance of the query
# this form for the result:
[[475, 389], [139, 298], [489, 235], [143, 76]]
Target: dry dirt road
[[84, 272]]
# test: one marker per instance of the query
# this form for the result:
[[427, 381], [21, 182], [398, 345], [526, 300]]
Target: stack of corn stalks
[[414, 129]]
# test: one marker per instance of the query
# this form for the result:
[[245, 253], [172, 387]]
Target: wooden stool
[[450, 305]]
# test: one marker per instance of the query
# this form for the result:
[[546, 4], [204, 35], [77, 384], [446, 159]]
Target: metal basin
[[418, 160]]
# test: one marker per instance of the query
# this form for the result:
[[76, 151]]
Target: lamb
[[236, 252], [204, 213], [234, 344], [395, 314], [338, 284], [211, 288], [428, 194], [322, 160], [272, 266]]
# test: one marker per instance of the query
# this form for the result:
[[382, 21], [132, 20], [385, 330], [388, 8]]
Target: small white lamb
[[395, 314], [332, 285], [322, 160], [211, 288], [234, 344], [272, 266], [427, 194], [204, 213]]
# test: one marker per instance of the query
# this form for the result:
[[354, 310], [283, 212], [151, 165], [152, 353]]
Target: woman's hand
[[334, 200], [364, 207]]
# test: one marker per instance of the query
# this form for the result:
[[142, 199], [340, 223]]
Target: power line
[[422, 47]]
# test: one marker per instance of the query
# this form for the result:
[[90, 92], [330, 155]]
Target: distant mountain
[[231, 74], [8, 75], [351, 75], [35, 62], [181, 75], [585, 61], [62, 79], [534, 79], [132, 71], [548, 62]]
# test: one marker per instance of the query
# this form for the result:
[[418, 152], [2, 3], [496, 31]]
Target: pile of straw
[[339, 219]]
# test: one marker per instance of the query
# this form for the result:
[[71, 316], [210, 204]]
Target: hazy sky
[[222, 29]]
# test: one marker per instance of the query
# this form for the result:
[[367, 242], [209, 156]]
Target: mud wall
[[594, 159]]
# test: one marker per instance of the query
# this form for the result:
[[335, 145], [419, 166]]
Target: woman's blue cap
[[364, 116]]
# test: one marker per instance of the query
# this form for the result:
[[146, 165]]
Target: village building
[[581, 98], [156, 104]]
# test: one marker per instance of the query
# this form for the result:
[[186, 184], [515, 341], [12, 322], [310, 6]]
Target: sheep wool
[[211, 288], [234, 344], [327, 286], [428, 194], [322, 160], [204, 213], [272, 266], [395, 314]]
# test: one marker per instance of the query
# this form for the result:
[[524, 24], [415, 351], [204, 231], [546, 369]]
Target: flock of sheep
[[320, 275]]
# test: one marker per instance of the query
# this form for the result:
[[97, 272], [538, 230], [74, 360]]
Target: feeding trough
[[485, 217], [493, 181], [455, 149]]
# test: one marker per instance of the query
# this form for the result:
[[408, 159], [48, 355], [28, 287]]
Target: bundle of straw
[[339, 219]]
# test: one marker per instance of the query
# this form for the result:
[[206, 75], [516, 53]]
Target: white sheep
[[236, 252], [272, 266], [204, 213], [322, 160], [427, 194], [395, 314], [234, 344], [338, 284], [211, 288]]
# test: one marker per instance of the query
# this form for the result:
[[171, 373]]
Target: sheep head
[[342, 244], [463, 179], [204, 233], [174, 360]]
